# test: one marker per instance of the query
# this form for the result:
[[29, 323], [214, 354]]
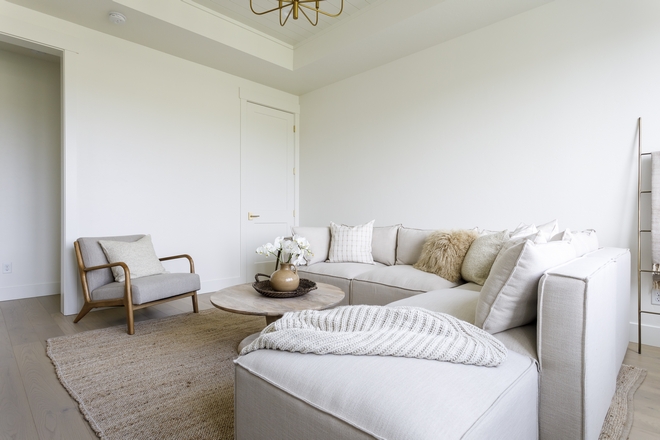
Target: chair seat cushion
[[151, 288]]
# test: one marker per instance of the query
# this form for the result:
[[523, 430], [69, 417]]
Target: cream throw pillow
[[481, 256], [351, 243], [443, 253], [139, 256], [509, 296]]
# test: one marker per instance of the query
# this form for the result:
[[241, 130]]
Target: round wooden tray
[[264, 288]]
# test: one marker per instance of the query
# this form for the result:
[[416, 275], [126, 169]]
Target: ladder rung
[[647, 271], [644, 230], [645, 192], [650, 313]]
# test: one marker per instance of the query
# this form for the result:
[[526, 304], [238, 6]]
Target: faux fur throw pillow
[[444, 251]]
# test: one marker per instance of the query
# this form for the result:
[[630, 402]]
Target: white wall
[[152, 145], [530, 119], [29, 175]]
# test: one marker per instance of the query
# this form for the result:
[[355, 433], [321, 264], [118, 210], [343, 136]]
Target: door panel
[[267, 182]]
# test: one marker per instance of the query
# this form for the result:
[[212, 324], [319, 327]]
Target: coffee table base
[[252, 337]]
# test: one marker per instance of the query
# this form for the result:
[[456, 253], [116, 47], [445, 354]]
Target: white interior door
[[267, 182]]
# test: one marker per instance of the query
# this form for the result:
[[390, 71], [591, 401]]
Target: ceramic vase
[[285, 279]]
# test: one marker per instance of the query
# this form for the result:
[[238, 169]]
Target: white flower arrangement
[[289, 250]]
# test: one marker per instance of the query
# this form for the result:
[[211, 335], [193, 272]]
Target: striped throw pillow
[[351, 243]]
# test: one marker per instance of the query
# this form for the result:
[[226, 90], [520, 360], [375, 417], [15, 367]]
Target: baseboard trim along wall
[[650, 334], [29, 291]]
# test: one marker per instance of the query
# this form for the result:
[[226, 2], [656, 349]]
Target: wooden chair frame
[[127, 299]]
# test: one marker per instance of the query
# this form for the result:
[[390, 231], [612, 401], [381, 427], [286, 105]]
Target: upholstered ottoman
[[282, 395]]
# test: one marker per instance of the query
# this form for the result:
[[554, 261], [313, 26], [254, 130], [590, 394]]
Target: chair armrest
[[174, 257], [127, 272]]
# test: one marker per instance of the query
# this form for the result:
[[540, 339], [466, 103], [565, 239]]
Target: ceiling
[[299, 58]]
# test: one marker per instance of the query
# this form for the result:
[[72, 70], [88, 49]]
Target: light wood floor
[[33, 404]]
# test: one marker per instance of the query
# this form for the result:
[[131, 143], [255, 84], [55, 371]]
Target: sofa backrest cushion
[[319, 241], [409, 244], [383, 244], [509, 296]]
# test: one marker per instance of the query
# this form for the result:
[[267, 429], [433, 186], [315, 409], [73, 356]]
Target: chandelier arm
[[270, 10], [302, 5], [282, 23], [307, 16]]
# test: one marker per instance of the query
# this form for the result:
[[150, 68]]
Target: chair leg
[[85, 309], [194, 300], [129, 319]]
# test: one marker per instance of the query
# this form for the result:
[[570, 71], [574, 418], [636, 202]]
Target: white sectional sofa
[[556, 383]]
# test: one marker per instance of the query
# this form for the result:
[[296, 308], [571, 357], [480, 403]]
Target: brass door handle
[[252, 216]]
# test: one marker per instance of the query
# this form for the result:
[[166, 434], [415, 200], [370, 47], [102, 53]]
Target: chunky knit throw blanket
[[382, 331]]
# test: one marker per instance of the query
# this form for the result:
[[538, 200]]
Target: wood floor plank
[[50, 303], [17, 323], [55, 413], [16, 420]]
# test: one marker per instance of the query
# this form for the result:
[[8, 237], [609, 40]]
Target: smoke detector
[[117, 18]]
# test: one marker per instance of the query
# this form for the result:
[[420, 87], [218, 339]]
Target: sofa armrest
[[583, 314]]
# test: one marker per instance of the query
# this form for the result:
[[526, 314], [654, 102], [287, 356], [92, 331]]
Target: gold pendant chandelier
[[295, 7]]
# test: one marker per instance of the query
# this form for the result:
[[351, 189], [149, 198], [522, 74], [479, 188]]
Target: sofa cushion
[[481, 256], [383, 244], [346, 271], [384, 397], [404, 277], [409, 244], [509, 295], [443, 253], [151, 288], [351, 243], [460, 301], [139, 256], [319, 241]]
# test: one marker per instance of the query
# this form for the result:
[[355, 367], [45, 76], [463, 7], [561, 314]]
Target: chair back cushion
[[92, 255]]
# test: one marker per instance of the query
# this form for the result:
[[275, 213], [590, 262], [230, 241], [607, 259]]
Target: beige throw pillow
[[481, 255], [443, 253], [509, 296], [139, 256], [351, 243]]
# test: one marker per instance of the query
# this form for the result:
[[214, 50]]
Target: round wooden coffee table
[[245, 300]]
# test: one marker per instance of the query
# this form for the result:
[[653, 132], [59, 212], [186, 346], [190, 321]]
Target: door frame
[[292, 106]]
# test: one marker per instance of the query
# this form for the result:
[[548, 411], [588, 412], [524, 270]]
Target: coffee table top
[[245, 300]]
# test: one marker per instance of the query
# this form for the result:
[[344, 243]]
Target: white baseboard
[[29, 291], [650, 334]]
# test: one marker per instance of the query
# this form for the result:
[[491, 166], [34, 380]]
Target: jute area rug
[[174, 379]]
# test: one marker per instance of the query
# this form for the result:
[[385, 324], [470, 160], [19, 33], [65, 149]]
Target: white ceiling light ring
[[117, 18]]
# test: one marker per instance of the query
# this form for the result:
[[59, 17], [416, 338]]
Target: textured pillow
[[509, 295], [319, 241], [481, 256], [383, 244], [139, 256], [443, 253], [351, 243]]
